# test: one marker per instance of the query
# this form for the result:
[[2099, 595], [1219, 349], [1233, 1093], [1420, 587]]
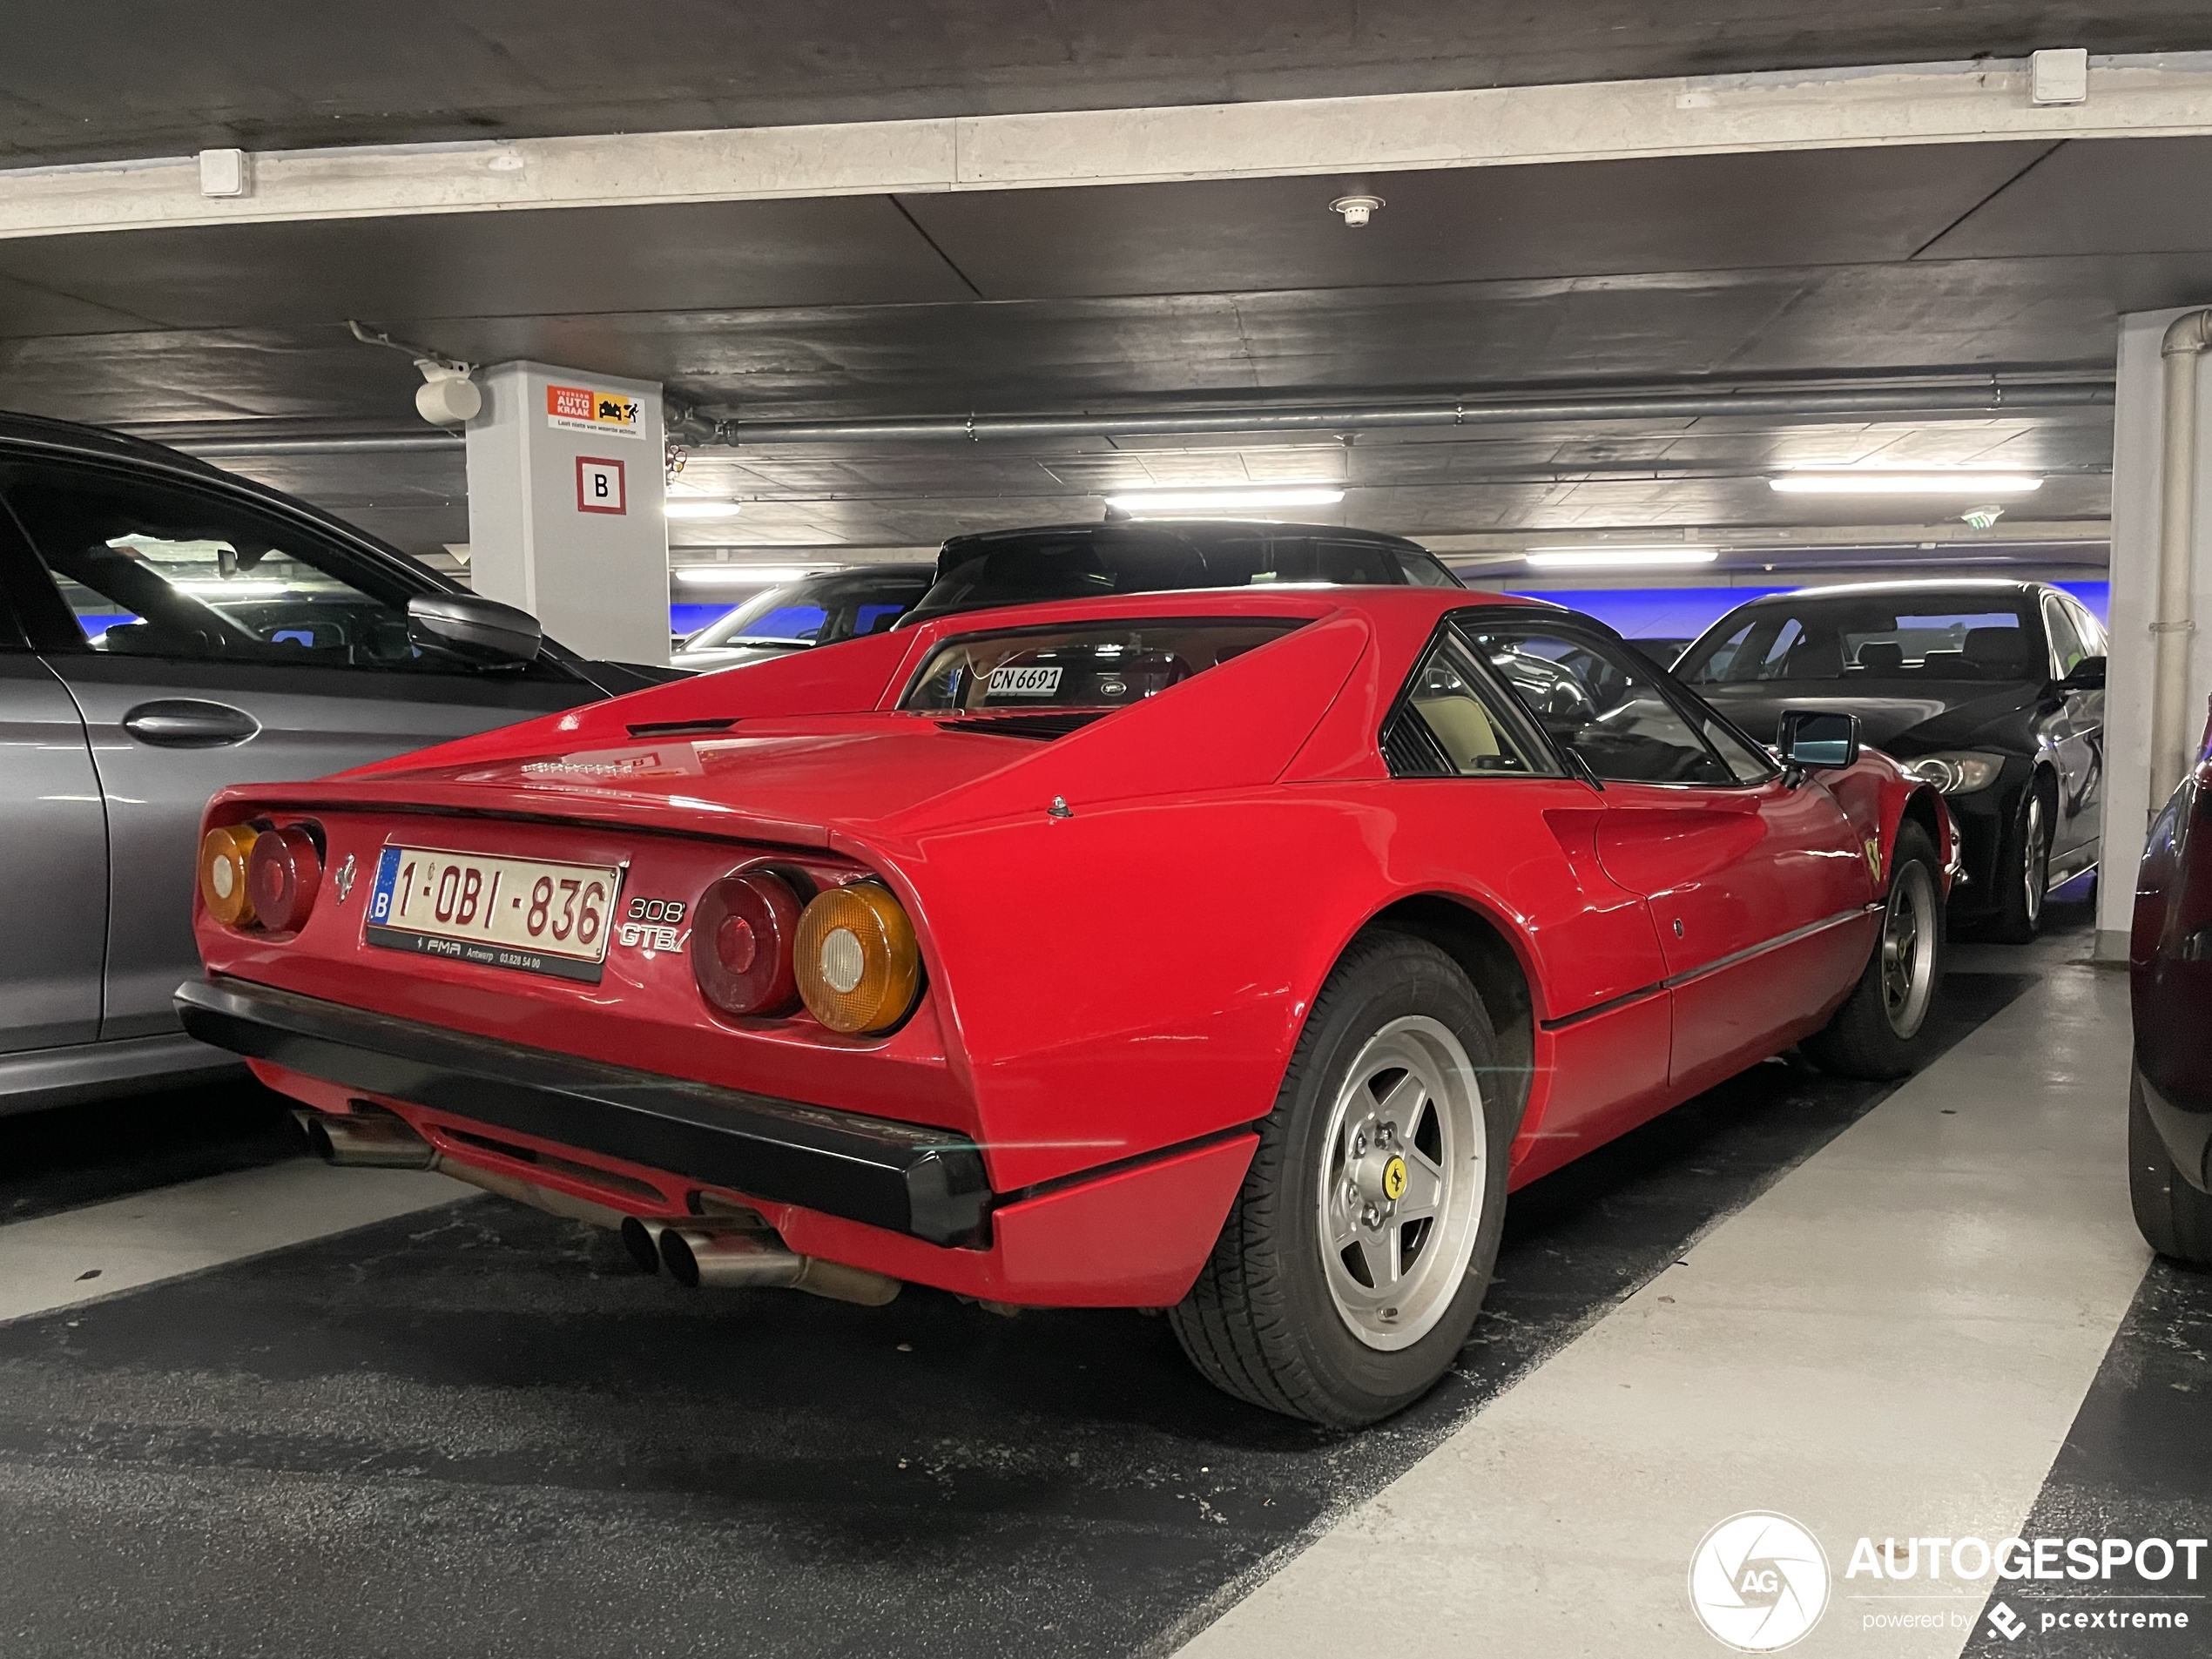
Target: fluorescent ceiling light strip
[[1203, 501], [220, 590], [1600, 558], [1906, 483], [695, 509], [752, 575]]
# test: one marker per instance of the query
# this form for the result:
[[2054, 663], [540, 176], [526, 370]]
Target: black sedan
[[1993, 691], [1158, 556], [2169, 957]]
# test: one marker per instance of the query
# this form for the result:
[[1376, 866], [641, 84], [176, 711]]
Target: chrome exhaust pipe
[[641, 1238], [697, 1257], [366, 1140]]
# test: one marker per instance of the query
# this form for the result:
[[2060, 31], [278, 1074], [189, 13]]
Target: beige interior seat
[[1463, 727]]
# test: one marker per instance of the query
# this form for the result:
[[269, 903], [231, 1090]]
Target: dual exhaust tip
[[694, 1256], [705, 1256]]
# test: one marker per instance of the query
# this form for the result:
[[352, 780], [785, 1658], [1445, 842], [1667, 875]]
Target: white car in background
[[817, 611]]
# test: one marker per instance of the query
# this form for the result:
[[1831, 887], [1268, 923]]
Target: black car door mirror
[[474, 630], [1815, 738], [2088, 675]]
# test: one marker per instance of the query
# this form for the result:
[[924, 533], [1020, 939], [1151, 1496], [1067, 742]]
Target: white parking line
[[1892, 1342], [82, 1255]]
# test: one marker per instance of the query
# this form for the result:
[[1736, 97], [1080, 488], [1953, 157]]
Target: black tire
[[1262, 1323], [2175, 1218], [2023, 875], [1867, 1037]]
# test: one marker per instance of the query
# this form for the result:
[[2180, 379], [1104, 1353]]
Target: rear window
[[1920, 636], [1087, 666]]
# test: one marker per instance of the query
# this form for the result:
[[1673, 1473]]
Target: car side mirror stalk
[[2088, 675], [1816, 739], [468, 627]]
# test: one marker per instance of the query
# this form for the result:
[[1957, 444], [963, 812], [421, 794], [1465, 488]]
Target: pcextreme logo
[[1759, 1582]]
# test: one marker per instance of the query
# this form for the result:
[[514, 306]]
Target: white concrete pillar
[[566, 484], [2137, 473]]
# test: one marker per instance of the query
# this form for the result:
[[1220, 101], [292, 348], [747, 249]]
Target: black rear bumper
[[928, 1183]]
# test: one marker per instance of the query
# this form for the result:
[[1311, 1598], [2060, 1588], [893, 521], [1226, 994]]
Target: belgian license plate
[[523, 914]]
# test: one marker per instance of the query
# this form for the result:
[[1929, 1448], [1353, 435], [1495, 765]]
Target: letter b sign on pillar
[[599, 485]]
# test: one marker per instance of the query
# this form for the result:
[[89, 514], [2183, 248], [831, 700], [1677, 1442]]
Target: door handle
[[187, 723]]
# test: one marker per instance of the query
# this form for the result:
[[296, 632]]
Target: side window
[[874, 618], [2091, 631], [1605, 704], [149, 568], [1749, 763], [2066, 648], [1453, 725], [1424, 570]]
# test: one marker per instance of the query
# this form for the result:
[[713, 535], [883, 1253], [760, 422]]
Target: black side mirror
[[2088, 675], [480, 631], [1816, 737]]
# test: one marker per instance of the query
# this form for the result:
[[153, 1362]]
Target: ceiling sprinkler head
[[1357, 210], [1981, 518]]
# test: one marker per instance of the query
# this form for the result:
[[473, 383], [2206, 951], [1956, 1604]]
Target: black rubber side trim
[[904, 1177]]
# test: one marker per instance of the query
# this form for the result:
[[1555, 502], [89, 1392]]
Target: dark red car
[[1228, 952], [2169, 957]]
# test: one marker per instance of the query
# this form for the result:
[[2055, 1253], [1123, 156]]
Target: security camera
[[446, 397]]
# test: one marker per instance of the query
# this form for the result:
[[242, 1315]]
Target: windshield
[[816, 611], [1089, 665], [1901, 635], [1087, 562]]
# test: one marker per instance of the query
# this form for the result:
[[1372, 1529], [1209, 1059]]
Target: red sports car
[[1232, 953]]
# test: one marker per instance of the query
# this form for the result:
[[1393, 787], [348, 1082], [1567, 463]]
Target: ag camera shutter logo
[[1758, 1582]]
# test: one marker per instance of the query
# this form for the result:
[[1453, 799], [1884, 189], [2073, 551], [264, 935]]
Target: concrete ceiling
[[121, 79], [1770, 268]]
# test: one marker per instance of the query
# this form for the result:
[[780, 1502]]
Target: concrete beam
[[2138, 96]]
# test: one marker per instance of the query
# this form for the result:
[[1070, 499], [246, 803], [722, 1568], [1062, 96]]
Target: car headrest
[[1997, 650], [1881, 656], [1817, 656]]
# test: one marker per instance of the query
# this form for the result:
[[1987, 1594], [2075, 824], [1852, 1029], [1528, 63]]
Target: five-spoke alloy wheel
[[1353, 1261], [1401, 1183]]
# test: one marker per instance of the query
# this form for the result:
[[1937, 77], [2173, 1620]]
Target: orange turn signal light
[[858, 965], [223, 856]]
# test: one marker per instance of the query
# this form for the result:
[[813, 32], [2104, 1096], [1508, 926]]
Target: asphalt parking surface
[[481, 1430]]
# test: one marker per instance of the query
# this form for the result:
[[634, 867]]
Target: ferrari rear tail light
[[223, 889], [858, 966], [743, 931], [283, 875]]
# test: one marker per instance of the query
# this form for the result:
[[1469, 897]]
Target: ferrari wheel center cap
[[1381, 1177]]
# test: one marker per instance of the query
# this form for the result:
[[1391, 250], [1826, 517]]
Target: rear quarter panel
[[1138, 974]]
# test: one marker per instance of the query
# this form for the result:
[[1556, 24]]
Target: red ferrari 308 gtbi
[[1233, 953]]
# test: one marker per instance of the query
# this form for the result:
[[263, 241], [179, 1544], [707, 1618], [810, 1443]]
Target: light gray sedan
[[166, 629]]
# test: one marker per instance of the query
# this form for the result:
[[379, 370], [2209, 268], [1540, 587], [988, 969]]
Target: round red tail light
[[742, 930], [283, 874]]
